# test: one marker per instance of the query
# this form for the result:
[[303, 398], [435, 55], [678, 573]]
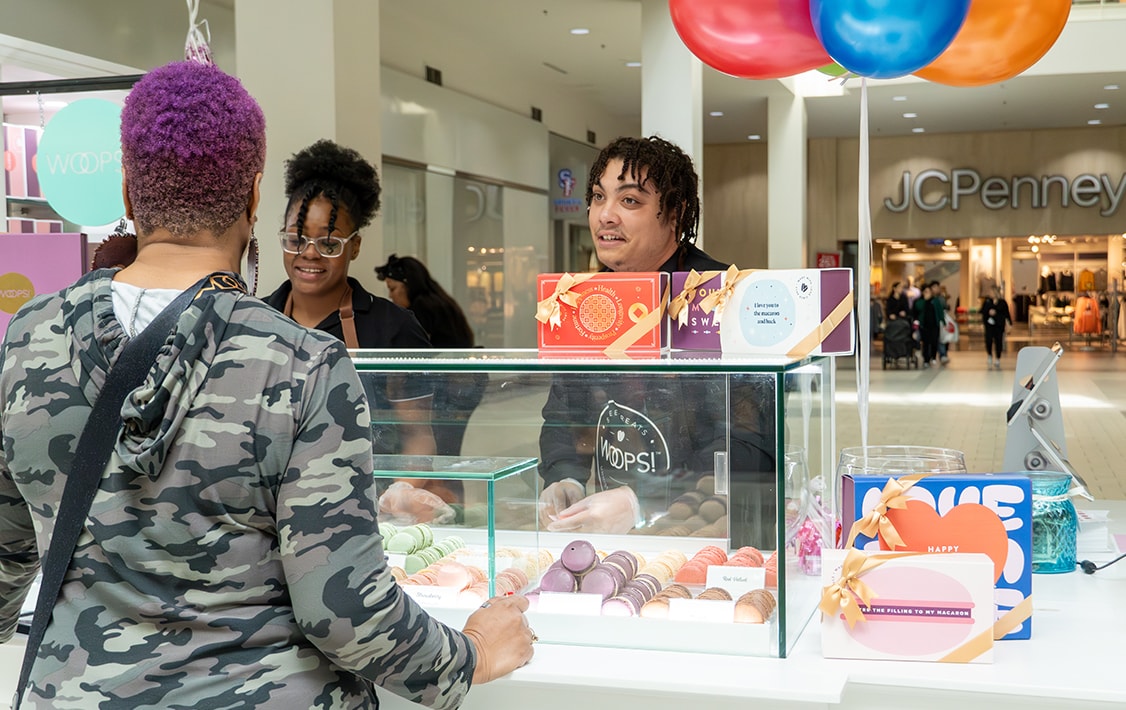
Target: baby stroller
[[899, 343]]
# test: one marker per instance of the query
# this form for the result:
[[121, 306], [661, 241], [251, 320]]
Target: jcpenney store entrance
[[1040, 214]]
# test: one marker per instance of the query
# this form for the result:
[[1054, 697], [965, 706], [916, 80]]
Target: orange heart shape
[[968, 527]]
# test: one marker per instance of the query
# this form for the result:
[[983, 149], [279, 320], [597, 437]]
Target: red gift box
[[607, 312]]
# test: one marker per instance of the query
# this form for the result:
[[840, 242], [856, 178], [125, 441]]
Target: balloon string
[[864, 269]]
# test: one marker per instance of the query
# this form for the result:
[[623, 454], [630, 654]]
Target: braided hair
[[668, 171], [339, 174]]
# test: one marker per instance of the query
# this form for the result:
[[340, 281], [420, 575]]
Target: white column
[[786, 182], [313, 65], [672, 86]]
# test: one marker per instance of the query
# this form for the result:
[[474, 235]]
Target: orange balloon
[[999, 39]]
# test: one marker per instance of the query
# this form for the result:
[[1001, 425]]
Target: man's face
[[623, 214]]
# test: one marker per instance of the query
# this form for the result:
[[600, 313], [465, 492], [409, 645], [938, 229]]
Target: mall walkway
[[963, 405]]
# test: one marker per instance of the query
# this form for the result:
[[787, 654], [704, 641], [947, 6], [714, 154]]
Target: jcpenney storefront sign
[[936, 190]]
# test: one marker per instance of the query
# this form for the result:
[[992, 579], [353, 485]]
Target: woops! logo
[[15, 290]]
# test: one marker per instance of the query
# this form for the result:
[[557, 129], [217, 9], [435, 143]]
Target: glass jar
[[894, 461], [1055, 523]]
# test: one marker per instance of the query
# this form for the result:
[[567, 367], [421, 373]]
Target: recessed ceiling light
[[753, 137], [1094, 122], [918, 129], [1111, 87], [910, 115], [580, 31], [1102, 106], [716, 113], [898, 98], [633, 65]]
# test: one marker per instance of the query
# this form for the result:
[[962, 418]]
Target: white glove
[[403, 503], [557, 497], [613, 511]]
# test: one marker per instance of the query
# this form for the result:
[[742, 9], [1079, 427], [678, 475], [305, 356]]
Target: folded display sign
[[986, 513], [907, 606], [606, 312], [790, 312]]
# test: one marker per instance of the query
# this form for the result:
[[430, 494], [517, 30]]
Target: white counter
[[1076, 660]]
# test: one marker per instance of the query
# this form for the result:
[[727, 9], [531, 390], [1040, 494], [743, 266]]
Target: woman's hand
[[500, 633]]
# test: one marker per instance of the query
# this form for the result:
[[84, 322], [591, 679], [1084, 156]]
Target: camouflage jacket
[[231, 557]]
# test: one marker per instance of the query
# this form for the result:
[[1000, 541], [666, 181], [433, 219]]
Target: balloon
[[833, 69], [882, 39], [1000, 39], [752, 39]]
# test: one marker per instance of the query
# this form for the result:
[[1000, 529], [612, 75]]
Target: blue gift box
[[943, 513]]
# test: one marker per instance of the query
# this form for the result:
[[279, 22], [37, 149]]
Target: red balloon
[[1000, 39], [752, 39]]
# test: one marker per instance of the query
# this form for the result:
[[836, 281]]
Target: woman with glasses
[[332, 194]]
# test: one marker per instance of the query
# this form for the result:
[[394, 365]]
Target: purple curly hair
[[192, 140]]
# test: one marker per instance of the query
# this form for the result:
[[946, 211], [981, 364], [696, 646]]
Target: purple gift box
[[695, 330]]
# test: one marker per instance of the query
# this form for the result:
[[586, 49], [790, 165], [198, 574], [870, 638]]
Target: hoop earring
[[252, 264]]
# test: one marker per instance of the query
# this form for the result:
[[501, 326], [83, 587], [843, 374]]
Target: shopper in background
[[897, 306], [938, 293], [232, 555], [456, 395], [643, 209], [928, 318], [410, 286], [997, 320]]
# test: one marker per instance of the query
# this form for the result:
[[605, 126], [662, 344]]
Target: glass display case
[[674, 503]]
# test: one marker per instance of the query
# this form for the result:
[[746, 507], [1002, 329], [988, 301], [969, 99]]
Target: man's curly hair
[[339, 174], [668, 171], [192, 140]]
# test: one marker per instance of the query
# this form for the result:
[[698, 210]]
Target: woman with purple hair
[[231, 556]]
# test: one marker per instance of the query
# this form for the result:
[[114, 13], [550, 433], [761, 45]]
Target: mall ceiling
[[535, 36]]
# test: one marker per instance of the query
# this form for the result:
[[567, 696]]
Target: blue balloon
[[883, 39]]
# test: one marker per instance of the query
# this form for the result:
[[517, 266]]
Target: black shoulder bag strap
[[92, 455]]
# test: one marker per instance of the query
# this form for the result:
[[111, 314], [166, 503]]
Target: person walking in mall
[[928, 318], [997, 321], [231, 556]]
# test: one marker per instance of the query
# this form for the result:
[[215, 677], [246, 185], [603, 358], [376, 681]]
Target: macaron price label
[[434, 596], [395, 559], [576, 603], [736, 580], [716, 610]]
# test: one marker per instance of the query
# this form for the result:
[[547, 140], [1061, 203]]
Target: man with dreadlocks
[[649, 437]]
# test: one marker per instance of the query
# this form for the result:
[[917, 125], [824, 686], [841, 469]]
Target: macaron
[[626, 559], [402, 544], [712, 508], [453, 574], [715, 593], [656, 608], [603, 580], [558, 579], [620, 606], [579, 557]]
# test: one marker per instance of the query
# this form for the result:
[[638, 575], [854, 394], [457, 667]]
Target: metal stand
[[1035, 440]]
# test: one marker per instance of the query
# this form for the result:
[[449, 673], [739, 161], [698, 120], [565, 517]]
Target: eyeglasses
[[330, 247]]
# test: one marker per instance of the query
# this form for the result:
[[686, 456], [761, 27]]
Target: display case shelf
[[749, 445]]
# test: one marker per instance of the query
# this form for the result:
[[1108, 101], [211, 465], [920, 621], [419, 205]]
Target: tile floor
[[962, 406]]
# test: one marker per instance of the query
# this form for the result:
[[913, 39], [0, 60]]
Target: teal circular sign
[[79, 162]]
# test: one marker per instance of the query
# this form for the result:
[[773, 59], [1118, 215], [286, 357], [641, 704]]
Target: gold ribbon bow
[[848, 592], [717, 300], [678, 308], [548, 310], [876, 523]]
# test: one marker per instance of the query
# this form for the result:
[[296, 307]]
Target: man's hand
[[613, 511], [557, 497], [403, 503]]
